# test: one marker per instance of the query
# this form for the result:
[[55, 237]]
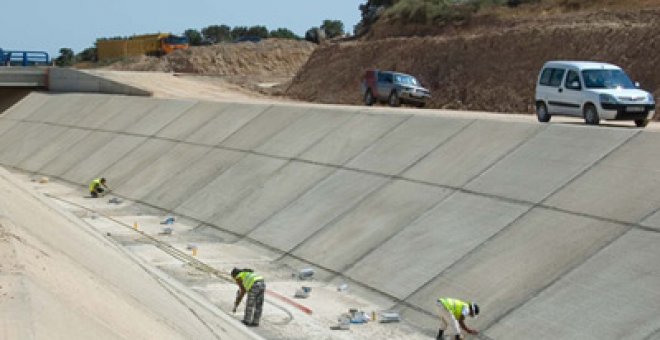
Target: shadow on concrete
[[11, 96]]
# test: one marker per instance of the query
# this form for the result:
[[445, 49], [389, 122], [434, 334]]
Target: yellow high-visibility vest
[[454, 306], [248, 279], [95, 183]]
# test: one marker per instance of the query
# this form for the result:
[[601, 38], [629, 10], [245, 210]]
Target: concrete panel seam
[[505, 154], [170, 211], [567, 271], [289, 204], [412, 221], [171, 121], [337, 168], [87, 128], [197, 102], [381, 137], [245, 154], [265, 141], [452, 136], [469, 253], [64, 131], [266, 109], [399, 302], [653, 212], [318, 140], [645, 228], [294, 159], [654, 335], [118, 184], [587, 169], [310, 187], [336, 218], [340, 167], [508, 226], [560, 276]]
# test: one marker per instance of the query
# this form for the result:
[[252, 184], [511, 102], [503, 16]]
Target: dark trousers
[[255, 303], [95, 193]]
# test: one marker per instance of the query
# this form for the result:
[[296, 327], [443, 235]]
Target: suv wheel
[[641, 122], [368, 98], [542, 113], [591, 115], [394, 99]]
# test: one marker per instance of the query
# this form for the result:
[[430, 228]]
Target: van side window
[[557, 76], [381, 77], [572, 81], [551, 77], [545, 77]]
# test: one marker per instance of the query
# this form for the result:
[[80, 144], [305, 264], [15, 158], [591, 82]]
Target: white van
[[591, 90]]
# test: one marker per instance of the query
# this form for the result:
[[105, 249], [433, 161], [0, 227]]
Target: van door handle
[[560, 90]]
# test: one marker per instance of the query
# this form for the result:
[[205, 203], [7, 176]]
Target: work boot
[[440, 334], [458, 337]]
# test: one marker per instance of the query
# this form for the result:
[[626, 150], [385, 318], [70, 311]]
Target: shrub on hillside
[[436, 11]]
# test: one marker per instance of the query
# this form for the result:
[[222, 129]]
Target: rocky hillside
[[490, 63]]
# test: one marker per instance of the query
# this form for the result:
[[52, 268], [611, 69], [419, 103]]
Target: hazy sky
[[41, 25]]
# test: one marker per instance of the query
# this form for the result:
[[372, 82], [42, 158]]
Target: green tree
[[239, 31], [315, 35], [217, 33], [283, 33], [88, 54], [333, 28], [66, 57], [257, 31], [193, 36]]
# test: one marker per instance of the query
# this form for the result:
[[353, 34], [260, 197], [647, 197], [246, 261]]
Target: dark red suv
[[394, 88]]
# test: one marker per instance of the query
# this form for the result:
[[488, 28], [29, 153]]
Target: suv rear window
[[552, 77]]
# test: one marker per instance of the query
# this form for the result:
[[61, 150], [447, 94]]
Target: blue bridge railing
[[23, 58]]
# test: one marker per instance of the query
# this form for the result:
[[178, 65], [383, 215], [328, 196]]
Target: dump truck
[[148, 44]]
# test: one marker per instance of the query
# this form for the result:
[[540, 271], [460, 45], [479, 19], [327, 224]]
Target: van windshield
[[606, 79], [405, 80]]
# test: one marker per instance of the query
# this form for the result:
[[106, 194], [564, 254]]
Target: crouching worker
[[252, 284], [452, 315], [97, 187]]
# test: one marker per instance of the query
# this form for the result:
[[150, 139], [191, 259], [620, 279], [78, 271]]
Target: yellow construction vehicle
[[147, 44]]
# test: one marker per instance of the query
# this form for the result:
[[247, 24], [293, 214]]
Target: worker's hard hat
[[475, 309], [235, 272]]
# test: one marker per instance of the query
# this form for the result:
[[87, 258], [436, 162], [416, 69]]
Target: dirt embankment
[[266, 67], [489, 67]]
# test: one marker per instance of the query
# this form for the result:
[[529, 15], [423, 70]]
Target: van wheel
[[591, 115], [542, 113], [369, 98], [394, 100], [641, 122]]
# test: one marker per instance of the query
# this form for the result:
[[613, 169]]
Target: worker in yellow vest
[[452, 315], [252, 284], [97, 187]]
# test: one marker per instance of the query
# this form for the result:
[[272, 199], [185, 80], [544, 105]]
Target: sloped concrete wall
[[550, 227], [72, 80]]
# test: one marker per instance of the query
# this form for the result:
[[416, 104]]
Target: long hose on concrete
[[192, 261]]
